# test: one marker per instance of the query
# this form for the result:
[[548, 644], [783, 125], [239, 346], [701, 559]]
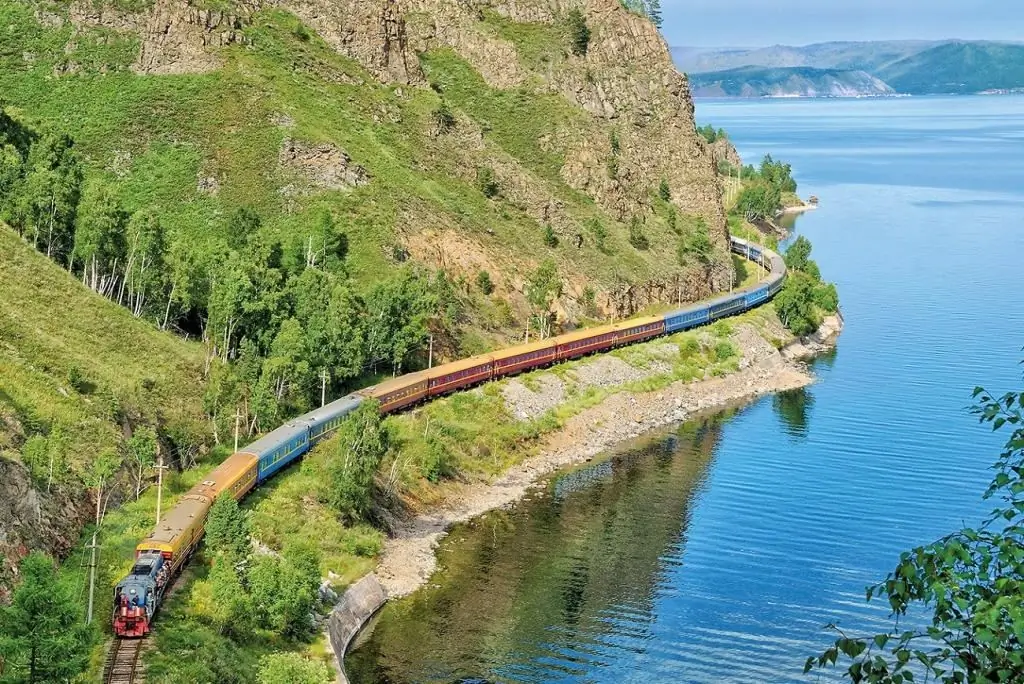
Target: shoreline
[[798, 209], [408, 559]]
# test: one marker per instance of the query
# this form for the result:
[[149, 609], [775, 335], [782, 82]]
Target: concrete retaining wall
[[357, 605]]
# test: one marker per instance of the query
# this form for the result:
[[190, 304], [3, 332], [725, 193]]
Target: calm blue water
[[717, 551]]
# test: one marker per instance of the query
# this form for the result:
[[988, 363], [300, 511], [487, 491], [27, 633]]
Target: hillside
[[959, 68], [316, 189], [294, 109], [78, 374], [786, 82], [866, 56], [907, 67]]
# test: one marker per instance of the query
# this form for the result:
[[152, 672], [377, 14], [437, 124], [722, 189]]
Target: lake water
[[715, 552]]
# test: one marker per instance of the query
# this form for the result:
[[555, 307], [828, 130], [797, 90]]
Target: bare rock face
[[176, 37], [723, 150], [31, 519], [372, 32], [322, 166]]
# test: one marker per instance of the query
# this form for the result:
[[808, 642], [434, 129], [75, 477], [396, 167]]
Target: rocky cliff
[[628, 120]]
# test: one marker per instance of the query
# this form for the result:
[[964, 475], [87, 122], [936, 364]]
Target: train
[[161, 555]]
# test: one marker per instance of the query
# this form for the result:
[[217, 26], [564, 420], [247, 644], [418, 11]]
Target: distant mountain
[[787, 82], [908, 67], [837, 55], [959, 68]]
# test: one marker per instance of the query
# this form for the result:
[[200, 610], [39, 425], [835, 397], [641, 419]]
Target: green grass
[[537, 44], [51, 327]]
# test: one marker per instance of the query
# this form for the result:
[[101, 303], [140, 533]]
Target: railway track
[[123, 665]]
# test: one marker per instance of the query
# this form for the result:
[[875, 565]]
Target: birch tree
[[52, 189], [145, 277], [141, 452], [100, 239]]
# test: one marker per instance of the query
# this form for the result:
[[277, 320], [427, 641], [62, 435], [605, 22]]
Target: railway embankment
[[634, 399]]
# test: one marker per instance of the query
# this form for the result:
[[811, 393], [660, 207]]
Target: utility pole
[[160, 468], [238, 416], [92, 559], [323, 387], [430, 357], [527, 339]]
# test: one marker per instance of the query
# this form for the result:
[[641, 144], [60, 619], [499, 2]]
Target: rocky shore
[[408, 558]]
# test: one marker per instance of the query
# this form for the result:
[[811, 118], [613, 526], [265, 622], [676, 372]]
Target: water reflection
[[794, 407], [556, 587]]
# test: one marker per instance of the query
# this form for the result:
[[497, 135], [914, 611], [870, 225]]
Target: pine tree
[[654, 12], [42, 637]]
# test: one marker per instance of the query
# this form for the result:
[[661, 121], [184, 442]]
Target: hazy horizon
[[953, 39], [754, 23]]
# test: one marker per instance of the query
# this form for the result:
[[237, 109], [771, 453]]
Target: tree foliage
[[542, 289], [804, 296], [550, 238], [292, 668], [971, 581], [711, 134], [284, 590], [777, 174], [227, 529], [637, 237], [759, 201], [648, 8], [664, 191], [363, 442], [795, 306], [42, 635], [579, 32], [696, 246]]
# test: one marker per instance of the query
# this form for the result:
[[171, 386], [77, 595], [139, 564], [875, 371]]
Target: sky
[[758, 23]]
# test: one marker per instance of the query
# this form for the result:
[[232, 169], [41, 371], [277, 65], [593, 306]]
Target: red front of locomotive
[[130, 621]]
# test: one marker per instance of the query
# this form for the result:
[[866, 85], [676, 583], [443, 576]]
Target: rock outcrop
[[633, 128], [32, 520]]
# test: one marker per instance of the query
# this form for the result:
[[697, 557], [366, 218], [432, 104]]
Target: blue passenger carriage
[[277, 449]]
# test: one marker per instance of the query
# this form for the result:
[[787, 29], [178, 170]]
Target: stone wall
[[357, 605]]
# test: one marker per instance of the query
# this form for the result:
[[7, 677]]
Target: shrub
[[579, 32], [636, 234], [613, 168], [689, 348], [486, 182], [613, 139], [301, 32], [364, 440], [483, 281], [443, 118], [550, 239], [292, 668], [724, 350], [438, 462], [600, 234], [664, 192], [759, 201], [588, 298], [77, 380], [671, 218]]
